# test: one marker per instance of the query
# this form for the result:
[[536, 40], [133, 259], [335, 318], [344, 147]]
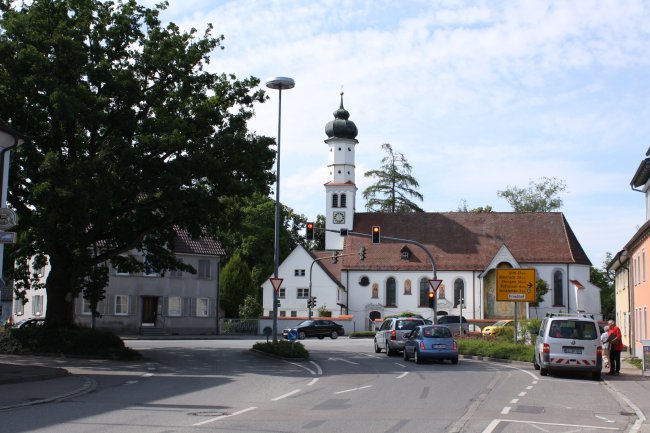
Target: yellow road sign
[[516, 285]]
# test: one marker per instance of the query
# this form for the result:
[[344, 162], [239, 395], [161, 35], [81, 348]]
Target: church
[[462, 249]]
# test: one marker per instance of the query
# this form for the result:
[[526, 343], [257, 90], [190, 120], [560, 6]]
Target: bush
[[283, 348], [362, 334], [77, 341], [495, 348]]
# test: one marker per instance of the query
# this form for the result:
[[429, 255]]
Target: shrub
[[362, 334], [283, 348], [78, 341], [495, 348]]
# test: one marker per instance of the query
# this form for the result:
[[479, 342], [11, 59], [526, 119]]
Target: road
[[221, 386]]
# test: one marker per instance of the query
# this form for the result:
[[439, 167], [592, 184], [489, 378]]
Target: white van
[[568, 343]]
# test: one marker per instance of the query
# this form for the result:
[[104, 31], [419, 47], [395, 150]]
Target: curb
[[88, 386]]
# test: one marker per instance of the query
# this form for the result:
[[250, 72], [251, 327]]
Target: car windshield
[[502, 323], [436, 332], [305, 323], [574, 329], [408, 324]]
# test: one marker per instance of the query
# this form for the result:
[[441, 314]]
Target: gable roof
[[331, 269], [203, 245], [463, 240]]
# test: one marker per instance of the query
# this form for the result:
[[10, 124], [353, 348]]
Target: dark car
[[431, 342], [316, 328], [30, 323]]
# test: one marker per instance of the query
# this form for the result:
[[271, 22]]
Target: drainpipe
[[568, 298]]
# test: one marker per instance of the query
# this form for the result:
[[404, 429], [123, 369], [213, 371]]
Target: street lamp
[[278, 83]]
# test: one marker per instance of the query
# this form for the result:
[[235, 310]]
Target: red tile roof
[[204, 245], [463, 240]]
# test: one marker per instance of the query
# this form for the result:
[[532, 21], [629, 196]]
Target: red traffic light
[[310, 231], [431, 295]]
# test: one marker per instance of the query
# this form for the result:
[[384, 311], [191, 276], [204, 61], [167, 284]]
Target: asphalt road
[[220, 386]]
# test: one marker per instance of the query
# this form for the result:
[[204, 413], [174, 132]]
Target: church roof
[[463, 240]]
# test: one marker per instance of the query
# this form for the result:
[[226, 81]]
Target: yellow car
[[493, 329]]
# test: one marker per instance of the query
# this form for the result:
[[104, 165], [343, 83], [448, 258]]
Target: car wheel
[[406, 357], [302, 335], [454, 361], [595, 375], [389, 351], [543, 371], [377, 348], [416, 357], [334, 335], [535, 364]]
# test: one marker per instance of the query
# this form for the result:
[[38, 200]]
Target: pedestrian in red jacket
[[615, 340]]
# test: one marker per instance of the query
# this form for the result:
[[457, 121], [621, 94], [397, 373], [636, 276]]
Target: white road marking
[[353, 389], [223, 416], [344, 360], [147, 375], [313, 381], [495, 422], [130, 382], [521, 394], [529, 387], [401, 365], [319, 370], [604, 419], [402, 375], [542, 429], [289, 394], [535, 382], [505, 410], [514, 401]]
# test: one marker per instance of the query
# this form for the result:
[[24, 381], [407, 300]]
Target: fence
[[239, 326]]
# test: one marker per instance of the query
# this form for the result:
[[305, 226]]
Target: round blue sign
[[292, 335]]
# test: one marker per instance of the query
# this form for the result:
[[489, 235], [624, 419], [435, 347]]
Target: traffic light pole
[[311, 268]]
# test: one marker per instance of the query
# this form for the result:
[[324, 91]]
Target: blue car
[[431, 342]]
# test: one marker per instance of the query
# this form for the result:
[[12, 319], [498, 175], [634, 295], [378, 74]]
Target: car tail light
[[455, 346], [599, 351], [393, 335], [546, 348], [422, 346]]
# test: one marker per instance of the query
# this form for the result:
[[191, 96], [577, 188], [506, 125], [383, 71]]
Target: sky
[[479, 96]]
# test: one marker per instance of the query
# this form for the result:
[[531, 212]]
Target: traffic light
[[376, 234], [335, 258], [362, 254], [310, 302], [313, 301], [310, 231], [432, 299], [277, 303]]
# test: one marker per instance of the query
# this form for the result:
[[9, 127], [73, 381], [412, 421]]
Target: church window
[[343, 200], [335, 200], [391, 292], [459, 292], [558, 288], [424, 292], [364, 281]]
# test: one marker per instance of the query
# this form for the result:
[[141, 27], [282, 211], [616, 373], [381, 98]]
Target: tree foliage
[[462, 207], [604, 279], [129, 138], [250, 308], [236, 284], [394, 187], [541, 196]]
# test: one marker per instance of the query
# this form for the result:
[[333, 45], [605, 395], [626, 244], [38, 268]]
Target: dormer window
[[405, 253]]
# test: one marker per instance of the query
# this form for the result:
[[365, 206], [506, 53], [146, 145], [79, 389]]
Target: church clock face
[[339, 217]]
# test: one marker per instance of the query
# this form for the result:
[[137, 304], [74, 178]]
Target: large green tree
[[541, 196], [604, 279], [129, 138], [236, 284], [395, 186]]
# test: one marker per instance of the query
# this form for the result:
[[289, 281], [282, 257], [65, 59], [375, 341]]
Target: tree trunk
[[60, 299]]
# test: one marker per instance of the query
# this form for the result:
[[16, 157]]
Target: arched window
[[343, 200], [558, 288], [424, 292], [459, 291], [335, 200], [391, 292]]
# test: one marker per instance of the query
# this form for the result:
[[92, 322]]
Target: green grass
[[495, 348], [637, 362]]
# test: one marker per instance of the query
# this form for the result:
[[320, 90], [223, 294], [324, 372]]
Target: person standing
[[603, 339], [615, 340]]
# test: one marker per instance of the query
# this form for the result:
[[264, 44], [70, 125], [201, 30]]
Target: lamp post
[[279, 84], [9, 139]]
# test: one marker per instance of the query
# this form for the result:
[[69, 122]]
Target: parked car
[[453, 323], [431, 342], [568, 343], [394, 332], [316, 328], [30, 323], [494, 329]]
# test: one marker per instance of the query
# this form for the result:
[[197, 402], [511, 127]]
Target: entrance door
[[149, 310]]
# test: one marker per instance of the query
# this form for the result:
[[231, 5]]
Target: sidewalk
[[634, 389]]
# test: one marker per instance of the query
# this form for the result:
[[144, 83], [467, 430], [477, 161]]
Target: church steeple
[[340, 190]]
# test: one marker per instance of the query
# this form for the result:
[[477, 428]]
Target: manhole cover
[[208, 413]]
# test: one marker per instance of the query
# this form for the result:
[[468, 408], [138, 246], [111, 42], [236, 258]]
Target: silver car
[[394, 332]]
